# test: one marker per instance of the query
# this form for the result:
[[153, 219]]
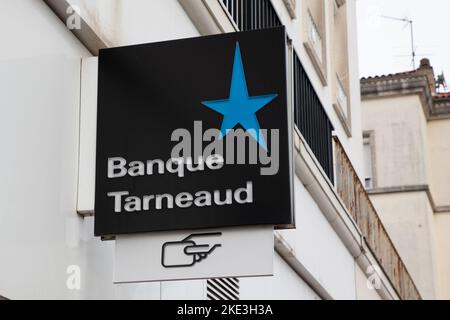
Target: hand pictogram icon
[[187, 252]]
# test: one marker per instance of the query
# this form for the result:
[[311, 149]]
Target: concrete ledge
[[85, 34], [283, 248], [208, 16], [412, 188], [434, 108]]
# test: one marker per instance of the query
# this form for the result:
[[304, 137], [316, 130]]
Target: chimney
[[425, 63], [427, 70]]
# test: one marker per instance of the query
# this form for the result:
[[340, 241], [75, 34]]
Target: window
[[290, 6], [314, 35], [340, 66], [368, 158], [341, 97], [314, 38]]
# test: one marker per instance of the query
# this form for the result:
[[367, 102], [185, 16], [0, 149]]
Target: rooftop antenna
[[440, 82], [410, 23]]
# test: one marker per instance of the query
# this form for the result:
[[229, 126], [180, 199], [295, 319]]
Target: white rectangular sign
[[198, 254]]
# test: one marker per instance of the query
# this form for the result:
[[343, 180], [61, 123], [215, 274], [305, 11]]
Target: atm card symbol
[[187, 252]]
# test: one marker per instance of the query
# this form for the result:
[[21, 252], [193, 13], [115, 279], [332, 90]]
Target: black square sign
[[194, 133]]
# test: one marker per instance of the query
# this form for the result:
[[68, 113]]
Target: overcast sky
[[385, 45]]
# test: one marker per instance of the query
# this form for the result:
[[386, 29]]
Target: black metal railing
[[312, 120], [309, 114], [252, 14]]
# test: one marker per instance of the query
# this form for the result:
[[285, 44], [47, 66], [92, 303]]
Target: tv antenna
[[408, 22], [440, 82]]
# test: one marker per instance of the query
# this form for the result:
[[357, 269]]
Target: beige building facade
[[406, 124]]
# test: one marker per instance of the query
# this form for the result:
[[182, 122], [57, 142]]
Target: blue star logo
[[240, 108]]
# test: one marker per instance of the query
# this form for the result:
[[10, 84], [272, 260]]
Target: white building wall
[[40, 231], [408, 218], [29, 29], [284, 285], [319, 248], [400, 140], [41, 234], [442, 225], [399, 130]]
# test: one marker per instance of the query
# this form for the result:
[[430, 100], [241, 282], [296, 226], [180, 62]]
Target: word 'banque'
[[119, 167]]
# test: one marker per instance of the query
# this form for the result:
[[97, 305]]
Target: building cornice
[[441, 108], [412, 188], [434, 106]]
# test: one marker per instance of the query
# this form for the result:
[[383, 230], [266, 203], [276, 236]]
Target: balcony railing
[[252, 14], [309, 114], [312, 120], [357, 201]]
